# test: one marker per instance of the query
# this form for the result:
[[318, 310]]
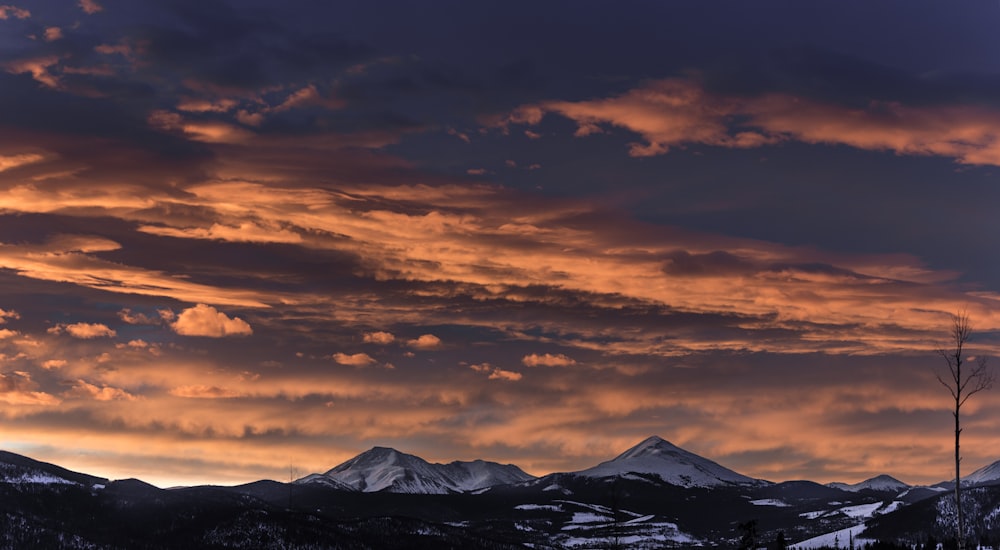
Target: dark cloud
[[218, 44]]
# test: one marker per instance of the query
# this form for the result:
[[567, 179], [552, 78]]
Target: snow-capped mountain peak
[[671, 463], [880, 483], [386, 469], [651, 446]]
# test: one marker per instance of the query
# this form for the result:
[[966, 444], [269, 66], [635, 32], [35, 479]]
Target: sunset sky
[[239, 237]]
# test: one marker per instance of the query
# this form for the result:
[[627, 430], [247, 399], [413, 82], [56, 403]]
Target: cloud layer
[[261, 234]]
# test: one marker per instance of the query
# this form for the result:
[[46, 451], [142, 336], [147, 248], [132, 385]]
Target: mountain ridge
[[386, 469], [879, 483]]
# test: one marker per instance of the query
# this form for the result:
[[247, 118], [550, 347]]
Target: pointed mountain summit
[[386, 469], [880, 484], [672, 464]]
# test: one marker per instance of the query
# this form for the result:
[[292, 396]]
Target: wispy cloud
[[547, 360], [8, 11], [678, 112], [84, 331], [496, 373]]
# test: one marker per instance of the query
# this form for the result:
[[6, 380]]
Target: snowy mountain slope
[[987, 475], [385, 469], [15, 468], [672, 464], [323, 479], [479, 474], [880, 484]]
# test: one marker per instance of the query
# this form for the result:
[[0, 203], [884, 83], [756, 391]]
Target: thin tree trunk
[[979, 378], [960, 527]]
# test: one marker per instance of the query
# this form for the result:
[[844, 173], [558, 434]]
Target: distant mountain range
[[389, 470], [652, 495], [385, 469]]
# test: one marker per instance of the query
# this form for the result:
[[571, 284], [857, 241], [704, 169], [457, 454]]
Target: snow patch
[[861, 510], [835, 539], [641, 519], [10, 474], [770, 502], [586, 520]]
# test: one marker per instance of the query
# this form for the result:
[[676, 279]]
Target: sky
[[250, 239]]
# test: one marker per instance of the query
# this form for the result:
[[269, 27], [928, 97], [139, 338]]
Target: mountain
[[652, 494], [879, 484], [385, 469], [15, 468], [987, 475], [673, 465]]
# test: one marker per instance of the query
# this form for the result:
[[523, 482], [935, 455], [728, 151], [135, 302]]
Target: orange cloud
[[496, 373], [666, 113], [496, 248], [121, 48], [199, 130], [131, 318], [355, 360], [9, 162], [7, 11], [425, 341], [90, 7], [84, 331], [379, 337], [198, 105], [307, 97], [52, 34], [675, 112], [38, 68], [8, 314], [245, 232], [547, 360], [85, 390], [18, 388], [200, 391], [966, 133], [205, 320], [67, 259]]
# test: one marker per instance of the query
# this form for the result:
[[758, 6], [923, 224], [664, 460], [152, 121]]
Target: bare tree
[[962, 385]]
